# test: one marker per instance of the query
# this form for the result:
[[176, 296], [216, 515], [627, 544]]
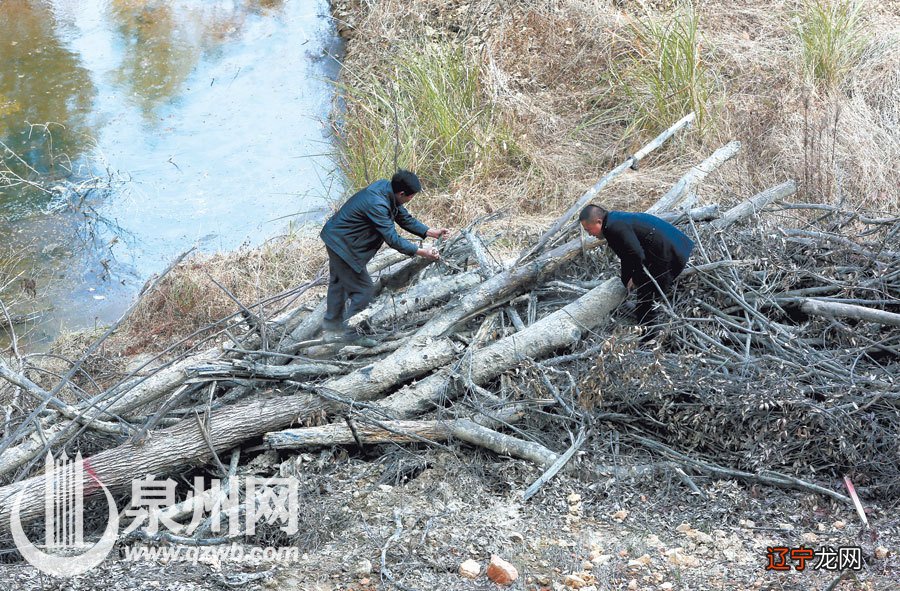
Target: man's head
[[405, 184], [591, 218]]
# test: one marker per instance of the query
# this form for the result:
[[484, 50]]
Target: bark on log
[[487, 266], [831, 309], [755, 204], [502, 287], [293, 371], [412, 431], [420, 296], [686, 186]]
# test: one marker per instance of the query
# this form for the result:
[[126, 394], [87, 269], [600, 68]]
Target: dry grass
[[188, 299]]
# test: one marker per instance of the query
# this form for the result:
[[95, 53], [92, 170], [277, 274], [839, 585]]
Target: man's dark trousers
[[647, 292], [344, 283]]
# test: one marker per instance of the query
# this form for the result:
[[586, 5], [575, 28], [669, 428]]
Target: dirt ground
[[425, 512]]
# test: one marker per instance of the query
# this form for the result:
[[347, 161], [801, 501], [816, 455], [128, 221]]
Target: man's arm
[[381, 218], [626, 245], [410, 224]]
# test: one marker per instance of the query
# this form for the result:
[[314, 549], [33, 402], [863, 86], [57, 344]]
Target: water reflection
[[41, 83], [163, 43], [203, 119]]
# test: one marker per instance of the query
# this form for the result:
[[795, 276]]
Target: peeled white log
[[755, 204], [561, 329], [685, 188]]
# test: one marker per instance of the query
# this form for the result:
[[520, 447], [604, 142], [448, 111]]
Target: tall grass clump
[[429, 114], [661, 76], [833, 39]]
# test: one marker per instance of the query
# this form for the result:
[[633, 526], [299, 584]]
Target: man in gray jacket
[[355, 233]]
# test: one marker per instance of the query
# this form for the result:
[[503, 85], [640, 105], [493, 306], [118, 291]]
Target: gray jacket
[[366, 221]]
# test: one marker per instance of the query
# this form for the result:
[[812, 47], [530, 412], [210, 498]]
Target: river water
[[133, 130]]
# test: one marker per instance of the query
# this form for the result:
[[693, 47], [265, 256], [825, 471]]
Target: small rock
[[620, 515], [601, 559], [640, 561], [469, 569], [666, 586], [881, 552], [573, 498], [809, 537], [587, 565], [632, 584], [684, 528], [516, 537], [501, 572], [363, 567], [839, 524]]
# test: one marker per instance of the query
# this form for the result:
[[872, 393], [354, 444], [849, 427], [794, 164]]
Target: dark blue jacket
[[642, 239], [365, 222]]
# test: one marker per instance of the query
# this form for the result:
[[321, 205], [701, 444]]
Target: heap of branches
[[779, 350], [471, 346]]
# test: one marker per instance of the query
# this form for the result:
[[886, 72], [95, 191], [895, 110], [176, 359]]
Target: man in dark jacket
[[355, 233], [641, 241]]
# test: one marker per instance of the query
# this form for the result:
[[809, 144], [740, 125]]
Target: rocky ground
[[408, 520]]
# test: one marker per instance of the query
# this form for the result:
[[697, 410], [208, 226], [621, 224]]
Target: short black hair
[[405, 182], [592, 213]]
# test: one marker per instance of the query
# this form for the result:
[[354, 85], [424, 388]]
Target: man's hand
[[630, 285], [437, 233], [429, 253]]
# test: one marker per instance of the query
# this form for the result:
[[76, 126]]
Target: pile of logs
[[780, 340]]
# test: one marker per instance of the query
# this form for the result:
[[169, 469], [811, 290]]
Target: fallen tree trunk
[[167, 449], [561, 329], [631, 162], [683, 192], [420, 296], [832, 309], [186, 443], [755, 204], [412, 431]]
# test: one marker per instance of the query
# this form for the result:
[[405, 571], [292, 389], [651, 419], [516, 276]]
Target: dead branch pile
[[779, 350]]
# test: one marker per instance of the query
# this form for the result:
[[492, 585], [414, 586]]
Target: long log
[[504, 286], [832, 309], [684, 191], [561, 329], [184, 444], [167, 449], [631, 162], [755, 204], [421, 296], [409, 432]]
